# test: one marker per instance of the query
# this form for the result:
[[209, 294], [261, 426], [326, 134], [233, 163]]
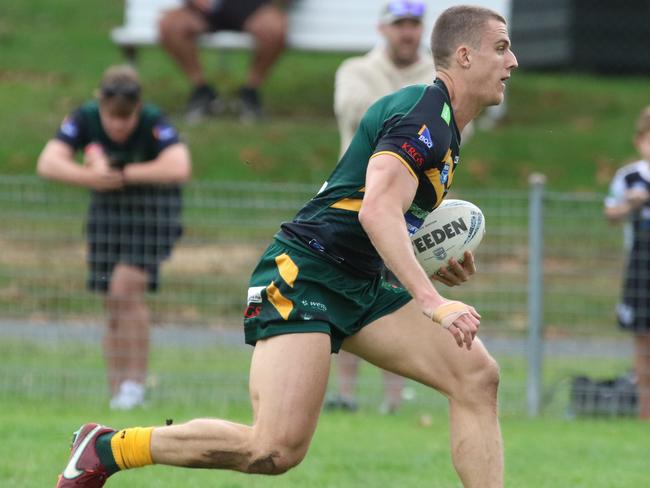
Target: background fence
[[51, 327]]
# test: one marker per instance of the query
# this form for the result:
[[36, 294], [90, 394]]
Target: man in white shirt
[[360, 81]]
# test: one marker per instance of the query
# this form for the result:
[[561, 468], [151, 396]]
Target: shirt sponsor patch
[[164, 132], [424, 136], [69, 127], [413, 153], [446, 113]]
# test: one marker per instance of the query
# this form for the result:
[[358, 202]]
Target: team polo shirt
[[414, 124], [151, 136]]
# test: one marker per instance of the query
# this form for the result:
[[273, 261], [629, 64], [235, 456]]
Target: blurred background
[[548, 306]]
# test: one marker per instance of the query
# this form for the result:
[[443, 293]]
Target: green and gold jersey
[[416, 125]]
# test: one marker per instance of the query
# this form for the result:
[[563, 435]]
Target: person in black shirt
[[134, 164]]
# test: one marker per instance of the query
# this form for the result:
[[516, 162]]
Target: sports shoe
[[84, 469], [339, 402], [204, 102], [249, 105], [131, 395]]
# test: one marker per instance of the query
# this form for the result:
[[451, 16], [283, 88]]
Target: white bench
[[314, 25]]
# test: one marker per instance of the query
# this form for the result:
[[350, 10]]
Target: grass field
[[348, 451]]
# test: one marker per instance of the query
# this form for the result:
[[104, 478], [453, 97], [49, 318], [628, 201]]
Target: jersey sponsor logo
[[446, 113], [164, 132], [413, 223], [69, 127], [444, 174], [438, 236], [425, 136], [415, 155]]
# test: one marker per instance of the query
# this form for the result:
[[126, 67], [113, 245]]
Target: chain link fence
[[51, 327]]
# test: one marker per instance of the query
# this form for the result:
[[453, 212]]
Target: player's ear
[[463, 56]]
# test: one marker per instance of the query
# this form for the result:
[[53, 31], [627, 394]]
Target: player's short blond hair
[[463, 24], [119, 90], [643, 122]]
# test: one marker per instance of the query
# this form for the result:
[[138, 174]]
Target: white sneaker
[[131, 395]]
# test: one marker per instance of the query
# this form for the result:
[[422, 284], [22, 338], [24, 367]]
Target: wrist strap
[[446, 313]]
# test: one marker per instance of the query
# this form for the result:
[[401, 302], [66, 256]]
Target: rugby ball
[[447, 232]]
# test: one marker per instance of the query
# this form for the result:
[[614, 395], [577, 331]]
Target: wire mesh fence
[[51, 327]]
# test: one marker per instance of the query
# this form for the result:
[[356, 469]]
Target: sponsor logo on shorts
[[255, 294], [425, 136], [414, 154], [314, 305], [252, 311]]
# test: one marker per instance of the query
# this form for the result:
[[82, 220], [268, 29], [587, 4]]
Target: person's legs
[[407, 343], [642, 369], [179, 29], [268, 26], [126, 343], [393, 386], [348, 369], [288, 379]]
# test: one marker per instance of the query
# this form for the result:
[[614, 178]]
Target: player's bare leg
[[288, 379], [642, 368], [409, 344], [126, 343]]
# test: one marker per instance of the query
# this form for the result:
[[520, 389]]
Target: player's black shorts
[[113, 240], [232, 14]]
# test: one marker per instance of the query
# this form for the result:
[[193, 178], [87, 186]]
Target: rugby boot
[[84, 469]]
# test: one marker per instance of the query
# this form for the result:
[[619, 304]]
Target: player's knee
[[480, 383], [277, 460]]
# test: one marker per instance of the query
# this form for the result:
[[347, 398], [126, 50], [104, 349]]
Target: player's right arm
[[56, 162], [390, 189]]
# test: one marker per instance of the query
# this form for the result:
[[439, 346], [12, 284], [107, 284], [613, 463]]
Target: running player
[[318, 288]]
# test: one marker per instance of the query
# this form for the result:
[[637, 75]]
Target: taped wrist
[[446, 313]]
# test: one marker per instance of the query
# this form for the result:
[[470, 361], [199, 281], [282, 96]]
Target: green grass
[[348, 451]]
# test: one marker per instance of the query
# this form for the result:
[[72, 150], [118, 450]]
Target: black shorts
[[231, 14], [118, 241], [634, 309]]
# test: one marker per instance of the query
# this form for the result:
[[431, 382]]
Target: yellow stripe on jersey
[[352, 204], [288, 269], [283, 305], [398, 157]]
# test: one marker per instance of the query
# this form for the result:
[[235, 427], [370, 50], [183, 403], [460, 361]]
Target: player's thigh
[[407, 343], [288, 379], [182, 21]]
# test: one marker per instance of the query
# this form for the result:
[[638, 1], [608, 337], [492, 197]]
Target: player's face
[[642, 143], [118, 127], [403, 40], [492, 64]]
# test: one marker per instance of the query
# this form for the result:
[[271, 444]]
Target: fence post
[[536, 182]]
